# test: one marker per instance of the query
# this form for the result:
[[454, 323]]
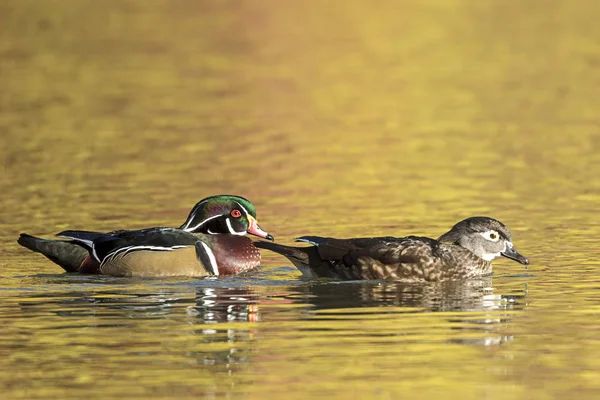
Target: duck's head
[[224, 214], [485, 237]]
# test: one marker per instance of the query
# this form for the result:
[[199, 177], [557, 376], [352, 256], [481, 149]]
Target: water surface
[[338, 118]]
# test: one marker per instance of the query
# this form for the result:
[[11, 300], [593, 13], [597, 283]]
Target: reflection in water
[[214, 305], [486, 310], [216, 329], [338, 118], [212, 325], [472, 295], [214, 308]]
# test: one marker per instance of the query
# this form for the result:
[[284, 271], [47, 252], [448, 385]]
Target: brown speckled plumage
[[409, 259]]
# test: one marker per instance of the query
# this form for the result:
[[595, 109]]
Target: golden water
[[343, 118]]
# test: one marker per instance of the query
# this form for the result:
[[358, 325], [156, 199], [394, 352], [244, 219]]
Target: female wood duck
[[466, 251], [210, 242]]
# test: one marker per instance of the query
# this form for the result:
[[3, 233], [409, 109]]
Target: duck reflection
[[213, 325], [472, 295], [214, 305], [476, 313]]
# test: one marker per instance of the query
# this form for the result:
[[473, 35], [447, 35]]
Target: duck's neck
[[234, 254], [450, 237]]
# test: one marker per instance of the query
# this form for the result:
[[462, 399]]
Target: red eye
[[236, 213]]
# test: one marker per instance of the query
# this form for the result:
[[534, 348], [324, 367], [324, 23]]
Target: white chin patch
[[491, 256]]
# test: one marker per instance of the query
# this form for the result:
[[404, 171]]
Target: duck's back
[[411, 258]]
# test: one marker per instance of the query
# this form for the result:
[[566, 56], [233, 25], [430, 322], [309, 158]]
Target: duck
[[212, 241], [465, 251]]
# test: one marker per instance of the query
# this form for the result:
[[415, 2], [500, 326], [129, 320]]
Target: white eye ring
[[491, 235]]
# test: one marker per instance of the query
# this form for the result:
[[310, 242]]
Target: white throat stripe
[[231, 229]]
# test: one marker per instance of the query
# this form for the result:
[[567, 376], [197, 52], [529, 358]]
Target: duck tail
[[68, 255], [306, 259], [293, 253]]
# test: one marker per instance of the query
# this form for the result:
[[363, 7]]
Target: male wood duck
[[210, 242], [466, 251]]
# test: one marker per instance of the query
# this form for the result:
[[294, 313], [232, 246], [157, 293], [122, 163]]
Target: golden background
[[342, 118]]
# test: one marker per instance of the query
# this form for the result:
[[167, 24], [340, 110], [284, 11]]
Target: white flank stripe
[[211, 257], [94, 253], [188, 229], [231, 229]]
